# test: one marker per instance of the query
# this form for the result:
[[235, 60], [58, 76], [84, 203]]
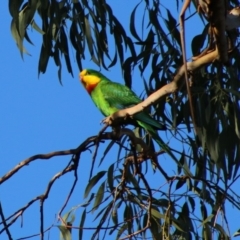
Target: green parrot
[[110, 97]]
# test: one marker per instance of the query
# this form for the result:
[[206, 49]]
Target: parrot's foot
[[108, 121]]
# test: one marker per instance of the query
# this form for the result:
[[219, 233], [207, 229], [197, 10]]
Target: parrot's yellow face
[[89, 80]]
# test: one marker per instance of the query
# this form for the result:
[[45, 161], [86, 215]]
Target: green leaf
[[27, 38], [180, 183], [80, 233], [17, 38], [131, 47], [99, 197], [178, 224], [88, 201], [155, 213], [207, 220], [93, 182], [122, 229], [192, 203], [14, 6], [114, 61], [118, 42], [69, 217], [65, 233], [197, 44], [237, 233], [223, 234], [103, 219], [128, 217], [135, 183], [198, 41], [203, 210], [149, 44], [64, 49], [236, 163], [115, 216], [185, 210], [127, 71], [110, 178], [43, 59], [101, 211], [108, 148], [25, 17], [120, 30], [58, 63], [155, 228], [172, 27], [206, 231], [36, 27], [88, 36], [132, 24], [154, 20]]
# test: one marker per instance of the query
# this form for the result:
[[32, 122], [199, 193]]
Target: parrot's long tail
[[157, 138]]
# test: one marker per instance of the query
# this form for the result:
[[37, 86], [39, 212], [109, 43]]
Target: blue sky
[[38, 115]]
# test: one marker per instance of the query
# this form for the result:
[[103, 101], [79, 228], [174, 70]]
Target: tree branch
[[169, 88]]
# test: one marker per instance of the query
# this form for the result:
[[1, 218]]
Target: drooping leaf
[[192, 203], [155, 228], [93, 182], [115, 216], [172, 27], [108, 148], [65, 233], [14, 6], [110, 177], [99, 197], [180, 183], [149, 43], [122, 229], [17, 38], [43, 59], [64, 48], [156, 214], [132, 24], [88, 35], [237, 233], [80, 233]]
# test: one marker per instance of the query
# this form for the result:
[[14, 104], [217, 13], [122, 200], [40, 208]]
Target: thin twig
[[4, 223]]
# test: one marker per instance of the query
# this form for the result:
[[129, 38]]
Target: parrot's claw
[[108, 121]]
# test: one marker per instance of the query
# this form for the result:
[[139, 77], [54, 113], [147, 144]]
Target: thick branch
[[169, 88], [218, 22]]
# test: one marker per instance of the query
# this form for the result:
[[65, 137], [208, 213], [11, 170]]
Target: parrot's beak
[[82, 74], [81, 77]]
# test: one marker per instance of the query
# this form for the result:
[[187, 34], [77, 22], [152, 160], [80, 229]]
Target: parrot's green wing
[[120, 97]]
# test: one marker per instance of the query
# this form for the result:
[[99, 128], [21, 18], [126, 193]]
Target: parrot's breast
[[90, 87]]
